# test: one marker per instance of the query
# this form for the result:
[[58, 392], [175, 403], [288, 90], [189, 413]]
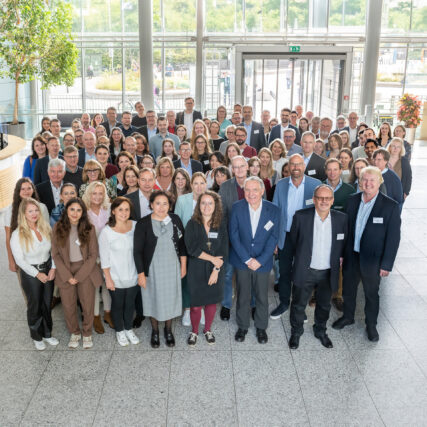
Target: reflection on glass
[[180, 16], [102, 16], [347, 14], [396, 15], [298, 15]]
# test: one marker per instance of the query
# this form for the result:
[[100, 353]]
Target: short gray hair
[[55, 163], [256, 179], [319, 187], [290, 130]]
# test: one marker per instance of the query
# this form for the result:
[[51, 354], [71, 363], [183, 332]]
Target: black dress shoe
[[253, 309], [338, 304], [342, 322], [262, 336], [294, 342], [240, 335], [276, 287], [372, 333], [155, 339], [55, 302], [225, 313], [170, 339], [138, 321], [324, 339]]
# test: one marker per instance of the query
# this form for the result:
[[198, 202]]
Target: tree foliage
[[36, 41]]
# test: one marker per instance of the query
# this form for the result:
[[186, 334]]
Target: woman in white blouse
[[117, 263], [31, 246], [98, 212]]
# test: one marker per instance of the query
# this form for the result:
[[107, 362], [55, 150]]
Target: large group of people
[[158, 217]]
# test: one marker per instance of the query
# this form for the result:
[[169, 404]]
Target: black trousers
[[319, 280], [371, 286], [122, 307], [250, 282], [285, 270], [39, 296], [138, 302]]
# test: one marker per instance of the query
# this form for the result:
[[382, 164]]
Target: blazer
[[90, 268], [44, 190], [406, 175], [228, 194], [280, 199], [243, 245], [107, 126], [394, 186], [145, 242], [380, 238], [316, 167], [40, 169], [301, 234], [143, 131], [180, 117], [184, 208], [347, 128], [136, 208], [196, 166], [257, 137], [82, 158], [277, 130]]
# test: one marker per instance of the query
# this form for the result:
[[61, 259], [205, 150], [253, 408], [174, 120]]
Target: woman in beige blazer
[[75, 250]]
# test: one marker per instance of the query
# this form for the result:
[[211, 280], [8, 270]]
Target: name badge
[[268, 225], [78, 242], [346, 172], [309, 202], [340, 236], [167, 220], [206, 162], [378, 220], [312, 172], [256, 131], [212, 235]]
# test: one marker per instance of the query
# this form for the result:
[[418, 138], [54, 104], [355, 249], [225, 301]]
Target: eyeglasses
[[324, 199], [68, 156], [185, 150], [92, 170]]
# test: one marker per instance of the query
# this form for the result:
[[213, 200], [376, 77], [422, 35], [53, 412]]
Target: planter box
[[16, 130]]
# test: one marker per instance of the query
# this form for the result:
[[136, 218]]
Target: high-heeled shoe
[[155, 339]]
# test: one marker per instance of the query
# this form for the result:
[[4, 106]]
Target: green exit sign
[[294, 48]]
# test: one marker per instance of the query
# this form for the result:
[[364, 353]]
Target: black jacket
[[180, 117], [302, 239], [196, 166], [44, 191], [40, 169], [107, 126], [316, 167], [257, 136], [145, 241], [143, 131]]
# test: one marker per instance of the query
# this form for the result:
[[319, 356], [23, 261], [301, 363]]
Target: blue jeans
[[228, 285]]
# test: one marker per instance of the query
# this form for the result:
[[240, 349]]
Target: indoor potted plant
[[36, 41], [409, 113]]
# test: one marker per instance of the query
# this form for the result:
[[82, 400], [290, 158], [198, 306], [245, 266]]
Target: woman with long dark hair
[[31, 247], [75, 251], [38, 151]]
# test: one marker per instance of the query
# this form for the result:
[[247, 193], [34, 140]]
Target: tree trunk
[[15, 109]]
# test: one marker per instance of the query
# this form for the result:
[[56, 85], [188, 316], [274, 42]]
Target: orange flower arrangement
[[409, 110]]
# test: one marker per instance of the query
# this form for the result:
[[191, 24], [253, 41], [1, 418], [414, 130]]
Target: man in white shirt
[[325, 129], [49, 191], [318, 237], [140, 198], [88, 152], [352, 126], [189, 115]]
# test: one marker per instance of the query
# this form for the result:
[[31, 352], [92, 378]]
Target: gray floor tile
[[418, 283], [19, 381], [70, 389], [267, 389], [201, 390], [396, 284], [135, 390], [411, 266], [404, 307]]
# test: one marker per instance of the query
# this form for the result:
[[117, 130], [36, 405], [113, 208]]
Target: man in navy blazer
[[254, 232], [255, 130], [292, 194], [277, 131], [40, 170], [318, 237], [190, 165], [88, 152], [373, 241]]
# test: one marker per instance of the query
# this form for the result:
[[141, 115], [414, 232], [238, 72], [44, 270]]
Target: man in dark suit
[[318, 237], [254, 232], [314, 164], [189, 115], [373, 241], [277, 131], [40, 170], [141, 207], [50, 191], [111, 121], [150, 129], [255, 130], [127, 128], [88, 152], [185, 162], [74, 173], [340, 125]]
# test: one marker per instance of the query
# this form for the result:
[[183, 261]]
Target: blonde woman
[[199, 128], [31, 249], [335, 145], [278, 149], [98, 212], [92, 172], [164, 173], [267, 173], [345, 138], [400, 164]]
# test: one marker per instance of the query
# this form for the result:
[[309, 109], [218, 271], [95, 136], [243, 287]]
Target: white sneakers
[[40, 345], [186, 321], [74, 340], [130, 335], [121, 338], [87, 342], [51, 341]]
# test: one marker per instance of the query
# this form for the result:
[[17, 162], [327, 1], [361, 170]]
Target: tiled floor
[[355, 383]]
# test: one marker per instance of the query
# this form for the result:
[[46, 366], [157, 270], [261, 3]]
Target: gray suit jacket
[[228, 193]]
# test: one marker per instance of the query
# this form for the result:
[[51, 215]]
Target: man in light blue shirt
[[289, 136], [292, 193], [365, 209], [156, 141]]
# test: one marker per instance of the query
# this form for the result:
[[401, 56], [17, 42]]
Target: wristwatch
[[217, 269]]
